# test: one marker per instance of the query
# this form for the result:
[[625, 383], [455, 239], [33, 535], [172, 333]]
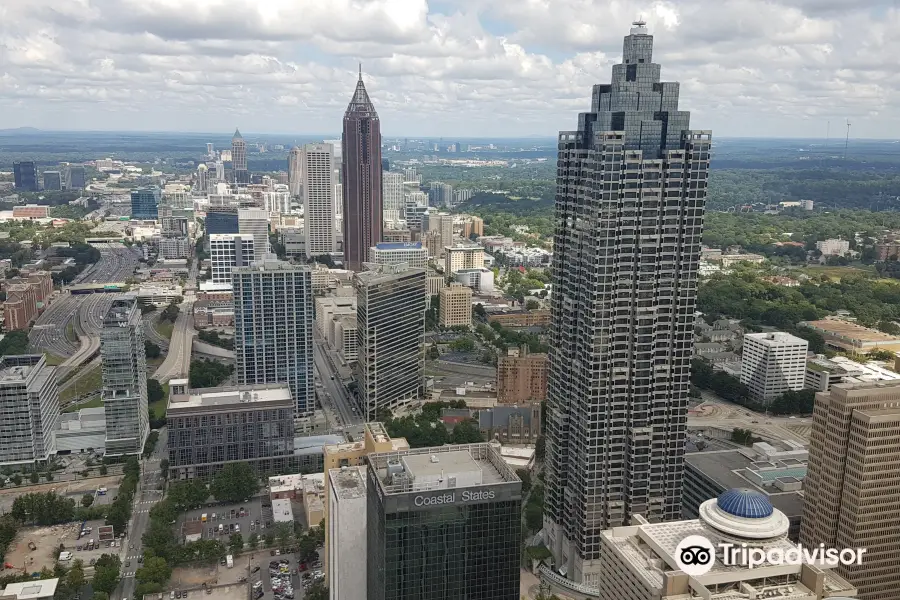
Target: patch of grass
[[835, 273], [71, 335], [53, 360], [92, 403], [165, 328], [89, 382], [159, 407]]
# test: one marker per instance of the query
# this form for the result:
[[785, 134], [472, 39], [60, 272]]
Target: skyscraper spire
[[360, 102]]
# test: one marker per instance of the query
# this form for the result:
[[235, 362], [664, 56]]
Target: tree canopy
[[235, 482]]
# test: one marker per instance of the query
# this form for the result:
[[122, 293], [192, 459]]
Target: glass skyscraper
[[25, 175], [273, 337], [630, 199], [443, 524], [145, 203]]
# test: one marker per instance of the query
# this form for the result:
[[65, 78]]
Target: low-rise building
[[32, 211], [42, 589], [435, 284], [159, 295], [833, 247], [520, 318], [395, 253], [846, 336], [209, 428], [26, 297], [822, 373], [506, 424], [82, 431], [480, 279], [211, 313]]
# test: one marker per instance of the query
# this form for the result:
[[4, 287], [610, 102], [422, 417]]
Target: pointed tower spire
[[360, 102], [237, 135]]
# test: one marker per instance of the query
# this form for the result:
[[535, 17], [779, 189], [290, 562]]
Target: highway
[[178, 360], [146, 496], [150, 333]]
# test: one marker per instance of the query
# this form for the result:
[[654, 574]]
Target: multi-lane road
[[178, 359], [333, 394]]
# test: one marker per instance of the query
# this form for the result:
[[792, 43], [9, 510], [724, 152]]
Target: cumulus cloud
[[463, 67]]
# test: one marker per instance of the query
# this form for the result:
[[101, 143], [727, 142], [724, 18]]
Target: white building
[[29, 397], [330, 307], [480, 279], [393, 200], [822, 373], [318, 198], [347, 546], [457, 258], [641, 561], [833, 247], [82, 431], [32, 590], [395, 253], [295, 171], [773, 363], [174, 248], [277, 202], [159, 295], [255, 222], [228, 251]]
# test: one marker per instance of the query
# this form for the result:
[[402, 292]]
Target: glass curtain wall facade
[[631, 193], [273, 337]]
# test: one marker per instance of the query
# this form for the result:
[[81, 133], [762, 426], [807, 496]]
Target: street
[[178, 359], [147, 495], [334, 396]]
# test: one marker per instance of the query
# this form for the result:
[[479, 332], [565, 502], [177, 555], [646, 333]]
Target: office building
[[295, 171], [522, 377], [415, 215], [52, 181], [209, 428], [394, 253], [435, 283], [318, 199], [30, 418], [640, 561], [75, 177], [442, 225], [480, 279], [273, 336], [822, 373], [773, 363], [443, 523], [347, 504], [361, 181], [456, 306], [124, 372], [145, 203], [228, 252], [202, 178], [221, 219], [624, 293], [390, 320], [25, 176], [255, 223], [458, 258], [239, 159], [833, 247], [394, 196], [850, 488], [395, 235]]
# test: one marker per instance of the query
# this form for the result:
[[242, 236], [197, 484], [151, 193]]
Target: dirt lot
[[48, 539], [191, 577], [65, 488]]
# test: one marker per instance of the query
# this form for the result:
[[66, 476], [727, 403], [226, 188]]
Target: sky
[[467, 68]]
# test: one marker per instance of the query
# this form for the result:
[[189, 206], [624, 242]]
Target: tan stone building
[[522, 377], [853, 481], [456, 305]]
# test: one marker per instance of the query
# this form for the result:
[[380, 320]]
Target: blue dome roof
[[747, 504]]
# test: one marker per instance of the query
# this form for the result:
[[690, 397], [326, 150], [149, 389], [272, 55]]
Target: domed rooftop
[[748, 504], [744, 513]]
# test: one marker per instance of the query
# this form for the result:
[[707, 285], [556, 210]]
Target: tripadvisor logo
[[696, 555]]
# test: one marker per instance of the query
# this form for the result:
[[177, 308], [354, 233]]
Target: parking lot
[[224, 519], [280, 577]]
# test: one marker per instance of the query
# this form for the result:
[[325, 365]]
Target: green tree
[[466, 432], [283, 532], [34, 477], [75, 579], [532, 304], [100, 596], [269, 540], [16, 479], [235, 482], [525, 476], [236, 542], [155, 569], [87, 500], [253, 541], [317, 591], [151, 350], [106, 573], [463, 344]]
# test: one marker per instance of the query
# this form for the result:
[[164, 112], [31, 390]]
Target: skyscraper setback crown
[[360, 104], [631, 192]]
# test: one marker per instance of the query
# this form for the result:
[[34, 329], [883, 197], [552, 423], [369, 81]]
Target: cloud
[[464, 67]]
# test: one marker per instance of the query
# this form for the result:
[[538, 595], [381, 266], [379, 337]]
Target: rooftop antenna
[[847, 140]]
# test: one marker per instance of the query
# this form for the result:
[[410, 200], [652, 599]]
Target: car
[[254, 569], [140, 559], [222, 561], [127, 563]]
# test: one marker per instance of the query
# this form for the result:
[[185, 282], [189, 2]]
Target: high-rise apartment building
[[318, 198], [75, 177], [850, 490], [29, 396], [25, 175], [522, 377], [394, 196], [443, 523], [227, 252], [273, 328], [631, 192], [295, 171], [458, 258], [239, 158], [442, 224], [254, 222], [361, 181], [390, 321], [52, 181], [209, 428], [124, 371], [347, 540], [772, 364], [411, 253], [145, 203], [456, 306]]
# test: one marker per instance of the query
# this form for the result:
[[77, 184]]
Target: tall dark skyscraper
[[239, 158], [630, 199], [361, 149], [25, 175], [145, 203]]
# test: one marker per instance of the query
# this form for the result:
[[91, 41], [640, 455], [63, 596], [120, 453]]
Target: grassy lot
[[835, 273], [53, 360], [159, 408], [89, 382], [164, 328], [93, 403]]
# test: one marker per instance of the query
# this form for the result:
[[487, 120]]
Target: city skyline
[[785, 69]]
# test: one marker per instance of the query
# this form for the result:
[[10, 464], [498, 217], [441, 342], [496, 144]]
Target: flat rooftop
[[725, 466], [44, 588], [851, 331], [349, 483], [423, 469], [231, 396], [119, 312]]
